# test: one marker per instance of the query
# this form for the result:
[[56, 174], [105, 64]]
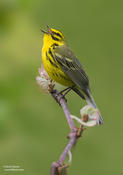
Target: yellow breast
[[53, 69]]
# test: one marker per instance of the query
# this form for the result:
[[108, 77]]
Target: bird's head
[[53, 37]]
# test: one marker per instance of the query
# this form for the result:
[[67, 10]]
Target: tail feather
[[91, 102]]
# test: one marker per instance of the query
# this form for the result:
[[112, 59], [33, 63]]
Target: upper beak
[[47, 32]]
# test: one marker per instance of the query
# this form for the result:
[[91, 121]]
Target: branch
[[73, 136], [61, 100], [89, 118]]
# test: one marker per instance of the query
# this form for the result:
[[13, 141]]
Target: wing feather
[[72, 67]]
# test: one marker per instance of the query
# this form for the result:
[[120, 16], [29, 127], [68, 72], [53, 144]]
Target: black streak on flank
[[50, 52], [56, 74], [47, 56], [51, 61]]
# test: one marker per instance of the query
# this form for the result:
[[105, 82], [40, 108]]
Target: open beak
[[47, 32], [42, 30]]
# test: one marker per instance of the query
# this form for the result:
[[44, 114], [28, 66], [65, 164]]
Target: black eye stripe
[[54, 38], [58, 34]]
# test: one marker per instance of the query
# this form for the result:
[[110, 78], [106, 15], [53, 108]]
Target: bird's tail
[[91, 102]]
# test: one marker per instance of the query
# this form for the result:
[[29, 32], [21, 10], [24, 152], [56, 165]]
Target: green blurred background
[[33, 128]]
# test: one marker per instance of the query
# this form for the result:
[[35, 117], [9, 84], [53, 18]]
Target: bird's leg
[[64, 90], [60, 94], [68, 90]]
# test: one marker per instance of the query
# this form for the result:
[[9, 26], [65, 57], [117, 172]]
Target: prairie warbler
[[63, 66]]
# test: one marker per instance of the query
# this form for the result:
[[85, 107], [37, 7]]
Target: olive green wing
[[72, 67]]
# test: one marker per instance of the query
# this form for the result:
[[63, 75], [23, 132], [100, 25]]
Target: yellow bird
[[63, 66]]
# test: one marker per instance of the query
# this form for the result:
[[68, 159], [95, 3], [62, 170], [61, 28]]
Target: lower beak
[[44, 31], [47, 32]]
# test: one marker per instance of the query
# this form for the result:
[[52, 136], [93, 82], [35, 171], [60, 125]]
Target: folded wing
[[72, 67]]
